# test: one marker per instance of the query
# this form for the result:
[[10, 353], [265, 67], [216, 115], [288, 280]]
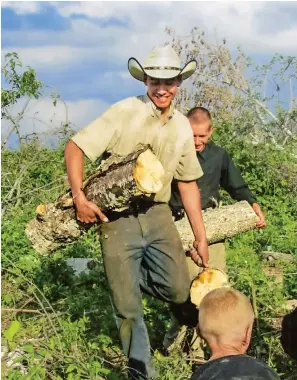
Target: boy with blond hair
[[226, 320]]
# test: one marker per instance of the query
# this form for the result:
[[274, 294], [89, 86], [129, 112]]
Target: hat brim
[[138, 72]]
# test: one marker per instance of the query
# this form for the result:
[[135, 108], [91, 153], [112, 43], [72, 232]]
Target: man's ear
[[145, 79], [179, 81], [210, 131], [247, 337]]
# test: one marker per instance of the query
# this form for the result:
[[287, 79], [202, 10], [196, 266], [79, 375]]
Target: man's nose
[[162, 88]]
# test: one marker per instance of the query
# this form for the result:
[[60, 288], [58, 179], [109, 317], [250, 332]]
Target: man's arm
[[87, 211], [92, 141], [190, 196], [232, 181]]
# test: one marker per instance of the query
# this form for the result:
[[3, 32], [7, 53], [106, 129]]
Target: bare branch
[[18, 181], [15, 123], [21, 310], [34, 190], [291, 95]]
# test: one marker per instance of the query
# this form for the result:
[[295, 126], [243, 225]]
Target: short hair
[[179, 78], [224, 314], [199, 114]]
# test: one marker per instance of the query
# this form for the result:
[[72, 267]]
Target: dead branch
[[15, 123], [21, 310]]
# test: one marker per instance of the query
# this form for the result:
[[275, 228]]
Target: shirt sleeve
[[98, 136], [232, 181], [188, 168]]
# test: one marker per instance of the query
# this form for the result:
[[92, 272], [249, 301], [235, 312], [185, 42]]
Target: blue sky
[[81, 48]]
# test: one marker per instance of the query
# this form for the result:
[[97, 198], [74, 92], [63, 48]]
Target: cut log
[[280, 256], [220, 223], [118, 182]]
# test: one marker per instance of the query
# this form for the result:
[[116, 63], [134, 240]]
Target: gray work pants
[[143, 253]]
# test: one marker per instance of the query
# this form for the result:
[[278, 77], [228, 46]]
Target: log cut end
[[148, 173], [205, 282]]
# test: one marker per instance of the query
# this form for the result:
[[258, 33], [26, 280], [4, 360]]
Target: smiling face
[[162, 91], [202, 132]]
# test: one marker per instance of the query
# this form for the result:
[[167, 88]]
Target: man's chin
[[200, 149], [161, 105]]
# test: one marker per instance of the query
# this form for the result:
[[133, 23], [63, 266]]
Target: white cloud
[[87, 40], [42, 117], [98, 9], [22, 7], [233, 20], [53, 56]]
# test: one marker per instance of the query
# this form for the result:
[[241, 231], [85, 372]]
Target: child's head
[[226, 318], [200, 120]]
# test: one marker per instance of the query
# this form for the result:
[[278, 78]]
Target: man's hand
[[200, 255], [87, 211], [261, 223], [190, 197]]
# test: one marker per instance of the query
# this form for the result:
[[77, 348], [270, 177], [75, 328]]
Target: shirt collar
[[155, 111], [204, 153]]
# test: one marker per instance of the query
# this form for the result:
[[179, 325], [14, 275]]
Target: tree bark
[[220, 223], [280, 256], [118, 182], [60, 226]]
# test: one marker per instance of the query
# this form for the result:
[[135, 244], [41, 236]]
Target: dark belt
[[135, 208]]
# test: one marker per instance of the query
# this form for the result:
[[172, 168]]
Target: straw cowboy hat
[[161, 63]]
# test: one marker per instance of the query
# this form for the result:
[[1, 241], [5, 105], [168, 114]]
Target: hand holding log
[[87, 211], [118, 181]]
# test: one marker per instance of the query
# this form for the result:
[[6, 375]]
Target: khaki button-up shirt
[[134, 121]]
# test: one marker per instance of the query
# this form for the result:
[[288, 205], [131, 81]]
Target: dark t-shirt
[[219, 170], [236, 367]]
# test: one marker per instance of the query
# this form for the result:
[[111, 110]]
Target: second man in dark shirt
[[219, 171]]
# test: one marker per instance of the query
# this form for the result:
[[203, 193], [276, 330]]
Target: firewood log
[[118, 182], [220, 223]]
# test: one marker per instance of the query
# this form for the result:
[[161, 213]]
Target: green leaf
[[71, 368], [12, 330], [29, 348]]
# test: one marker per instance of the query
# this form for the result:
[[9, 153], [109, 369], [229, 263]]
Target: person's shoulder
[[258, 366], [237, 366], [219, 150], [183, 124], [181, 117], [129, 103], [213, 146]]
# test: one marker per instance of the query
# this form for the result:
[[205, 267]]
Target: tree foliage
[[21, 84], [234, 88]]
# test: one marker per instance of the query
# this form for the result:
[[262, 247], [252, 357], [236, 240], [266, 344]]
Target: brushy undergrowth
[[62, 325]]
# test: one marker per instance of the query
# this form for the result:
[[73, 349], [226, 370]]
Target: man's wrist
[[76, 194], [200, 239]]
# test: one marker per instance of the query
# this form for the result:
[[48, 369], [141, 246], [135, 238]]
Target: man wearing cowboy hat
[[143, 251]]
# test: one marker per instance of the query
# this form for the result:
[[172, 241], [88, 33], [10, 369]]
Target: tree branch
[[15, 123]]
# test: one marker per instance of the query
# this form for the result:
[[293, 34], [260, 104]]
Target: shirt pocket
[[169, 158]]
